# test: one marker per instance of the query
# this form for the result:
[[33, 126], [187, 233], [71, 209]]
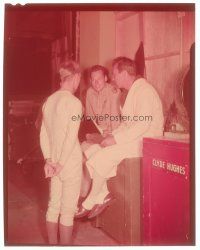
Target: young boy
[[62, 153]]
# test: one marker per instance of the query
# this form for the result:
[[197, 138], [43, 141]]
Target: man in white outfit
[[142, 116], [62, 152]]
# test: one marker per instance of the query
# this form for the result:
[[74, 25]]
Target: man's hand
[[106, 133], [108, 141]]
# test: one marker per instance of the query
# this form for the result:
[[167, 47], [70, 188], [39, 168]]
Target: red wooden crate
[[166, 192]]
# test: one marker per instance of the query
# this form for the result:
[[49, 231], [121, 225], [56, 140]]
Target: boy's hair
[[125, 63], [68, 68]]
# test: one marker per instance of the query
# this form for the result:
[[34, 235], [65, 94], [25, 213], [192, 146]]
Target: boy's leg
[[69, 201], [53, 209], [65, 235], [52, 232]]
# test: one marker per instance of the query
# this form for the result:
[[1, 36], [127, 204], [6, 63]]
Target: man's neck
[[98, 92]]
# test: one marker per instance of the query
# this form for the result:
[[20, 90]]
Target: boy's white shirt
[[59, 132]]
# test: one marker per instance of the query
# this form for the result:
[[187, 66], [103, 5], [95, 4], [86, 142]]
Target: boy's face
[[98, 80]]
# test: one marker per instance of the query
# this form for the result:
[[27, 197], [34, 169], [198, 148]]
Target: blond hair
[[68, 68]]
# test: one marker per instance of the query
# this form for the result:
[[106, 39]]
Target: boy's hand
[[57, 168], [52, 169], [48, 170]]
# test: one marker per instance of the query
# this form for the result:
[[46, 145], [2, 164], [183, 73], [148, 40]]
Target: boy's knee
[[67, 216], [67, 220], [52, 215]]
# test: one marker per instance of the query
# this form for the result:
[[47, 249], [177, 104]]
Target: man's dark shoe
[[99, 208], [82, 212]]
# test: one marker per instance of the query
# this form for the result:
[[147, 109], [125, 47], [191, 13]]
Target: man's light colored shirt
[[105, 102]]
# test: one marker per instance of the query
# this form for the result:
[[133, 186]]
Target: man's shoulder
[[143, 85], [146, 90], [142, 81], [112, 89], [91, 93]]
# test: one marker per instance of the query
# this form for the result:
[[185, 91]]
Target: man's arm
[[72, 133], [144, 108]]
